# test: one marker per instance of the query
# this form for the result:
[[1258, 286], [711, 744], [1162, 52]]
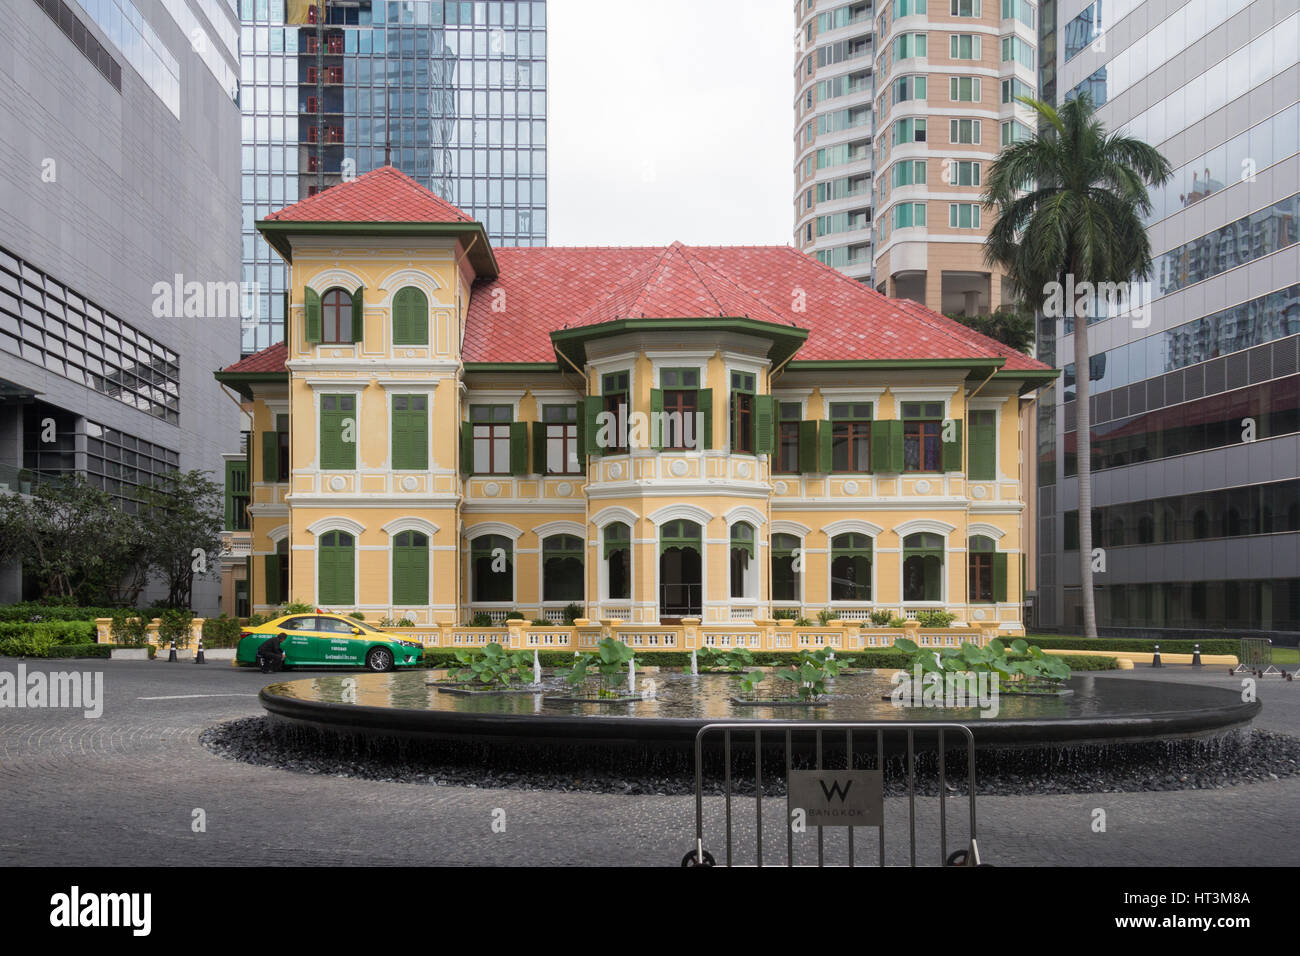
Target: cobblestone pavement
[[122, 789]]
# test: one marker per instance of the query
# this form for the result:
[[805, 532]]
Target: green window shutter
[[271, 564], [982, 452], [594, 406], [270, 455], [1000, 576], [808, 447], [656, 417], [236, 485], [410, 317], [952, 449], [825, 463], [284, 329], [230, 504], [335, 453], [887, 446], [539, 448], [337, 566], [704, 403], [410, 429], [359, 314], [518, 448], [764, 430], [312, 321], [466, 448], [411, 575], [581, 418]]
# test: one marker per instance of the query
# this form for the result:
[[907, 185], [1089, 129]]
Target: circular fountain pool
[[406, 708]]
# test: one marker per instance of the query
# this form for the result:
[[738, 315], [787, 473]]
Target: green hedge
[[61, 632], [72, 650], [51, 612], [1215, 646]]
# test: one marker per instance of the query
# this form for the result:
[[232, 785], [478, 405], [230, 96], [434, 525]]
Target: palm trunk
[[1083, 432]]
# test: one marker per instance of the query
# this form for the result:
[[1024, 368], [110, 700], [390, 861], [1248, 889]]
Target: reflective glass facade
[[464, 114]]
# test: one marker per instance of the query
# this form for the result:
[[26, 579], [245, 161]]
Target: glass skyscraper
[[455, 92]]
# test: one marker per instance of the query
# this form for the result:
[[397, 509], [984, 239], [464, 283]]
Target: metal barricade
[[1256, 657], [812, 794]]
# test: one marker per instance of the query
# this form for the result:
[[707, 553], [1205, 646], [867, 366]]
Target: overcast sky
[[669, 120]]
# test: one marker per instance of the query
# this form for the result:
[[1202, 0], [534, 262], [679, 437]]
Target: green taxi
[[329, 640]]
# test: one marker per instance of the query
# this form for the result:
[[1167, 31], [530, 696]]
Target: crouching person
[[269, 656]]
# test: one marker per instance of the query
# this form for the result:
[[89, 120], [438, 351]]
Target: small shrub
[[785, 614], [406, 622], [221, 631], [897, 621], [36, 644], [541, 622], [297, 607], [129, 628], [482, 619], [882, 617], [826, 615], [935, 618], [257, 620], [357, 616], [802, 622], [572, 612], [174, 624]]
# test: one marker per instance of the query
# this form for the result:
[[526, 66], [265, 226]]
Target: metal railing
[[866, 805]]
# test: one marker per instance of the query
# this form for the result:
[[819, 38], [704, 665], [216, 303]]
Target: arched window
[[923, 567], [410, 317], [336, 317], [618, 561], [492, 569], [336, 568], [851, 567], [562, 568], [980, 555], [411, 568], [741, 558], [786, 575]]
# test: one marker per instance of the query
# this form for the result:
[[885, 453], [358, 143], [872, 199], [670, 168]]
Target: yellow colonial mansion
[[727, 434]]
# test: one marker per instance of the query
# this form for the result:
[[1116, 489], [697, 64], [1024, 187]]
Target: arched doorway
[[681, 591]]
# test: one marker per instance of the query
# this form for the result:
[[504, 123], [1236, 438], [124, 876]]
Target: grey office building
[[454, 92], [1196, 415], [119, 176]]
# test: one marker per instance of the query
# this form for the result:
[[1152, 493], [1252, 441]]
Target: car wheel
[[379, 659]]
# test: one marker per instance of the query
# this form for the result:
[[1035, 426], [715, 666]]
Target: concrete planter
[[129, 654], [219, 654]]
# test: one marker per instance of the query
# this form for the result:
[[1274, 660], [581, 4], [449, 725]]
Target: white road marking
[[192, 696]]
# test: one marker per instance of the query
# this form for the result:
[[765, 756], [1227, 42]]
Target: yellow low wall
[[1127, 659], [760, 635]]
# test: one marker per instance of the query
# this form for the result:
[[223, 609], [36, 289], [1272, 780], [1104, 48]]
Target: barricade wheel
[[690, 860]]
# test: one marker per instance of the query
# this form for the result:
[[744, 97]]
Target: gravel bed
[[1231, 760]]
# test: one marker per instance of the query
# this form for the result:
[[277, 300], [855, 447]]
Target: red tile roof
[[385, 194], [550, 288], [268, 360]]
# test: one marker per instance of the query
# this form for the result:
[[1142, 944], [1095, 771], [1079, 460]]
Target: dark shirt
[[271, 647]]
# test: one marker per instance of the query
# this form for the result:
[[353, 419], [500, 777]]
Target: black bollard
[[171, 655], [1155, 658], [198, 658], [1196, 656]]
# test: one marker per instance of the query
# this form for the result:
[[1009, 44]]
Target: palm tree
[[1069, 204]]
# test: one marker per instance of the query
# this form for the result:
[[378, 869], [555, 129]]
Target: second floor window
[[923, 436], [561, 424], [851, 436], [615, 389], [681, 402], [787, 454], [742, 412], [491, 430], [336, 317]]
